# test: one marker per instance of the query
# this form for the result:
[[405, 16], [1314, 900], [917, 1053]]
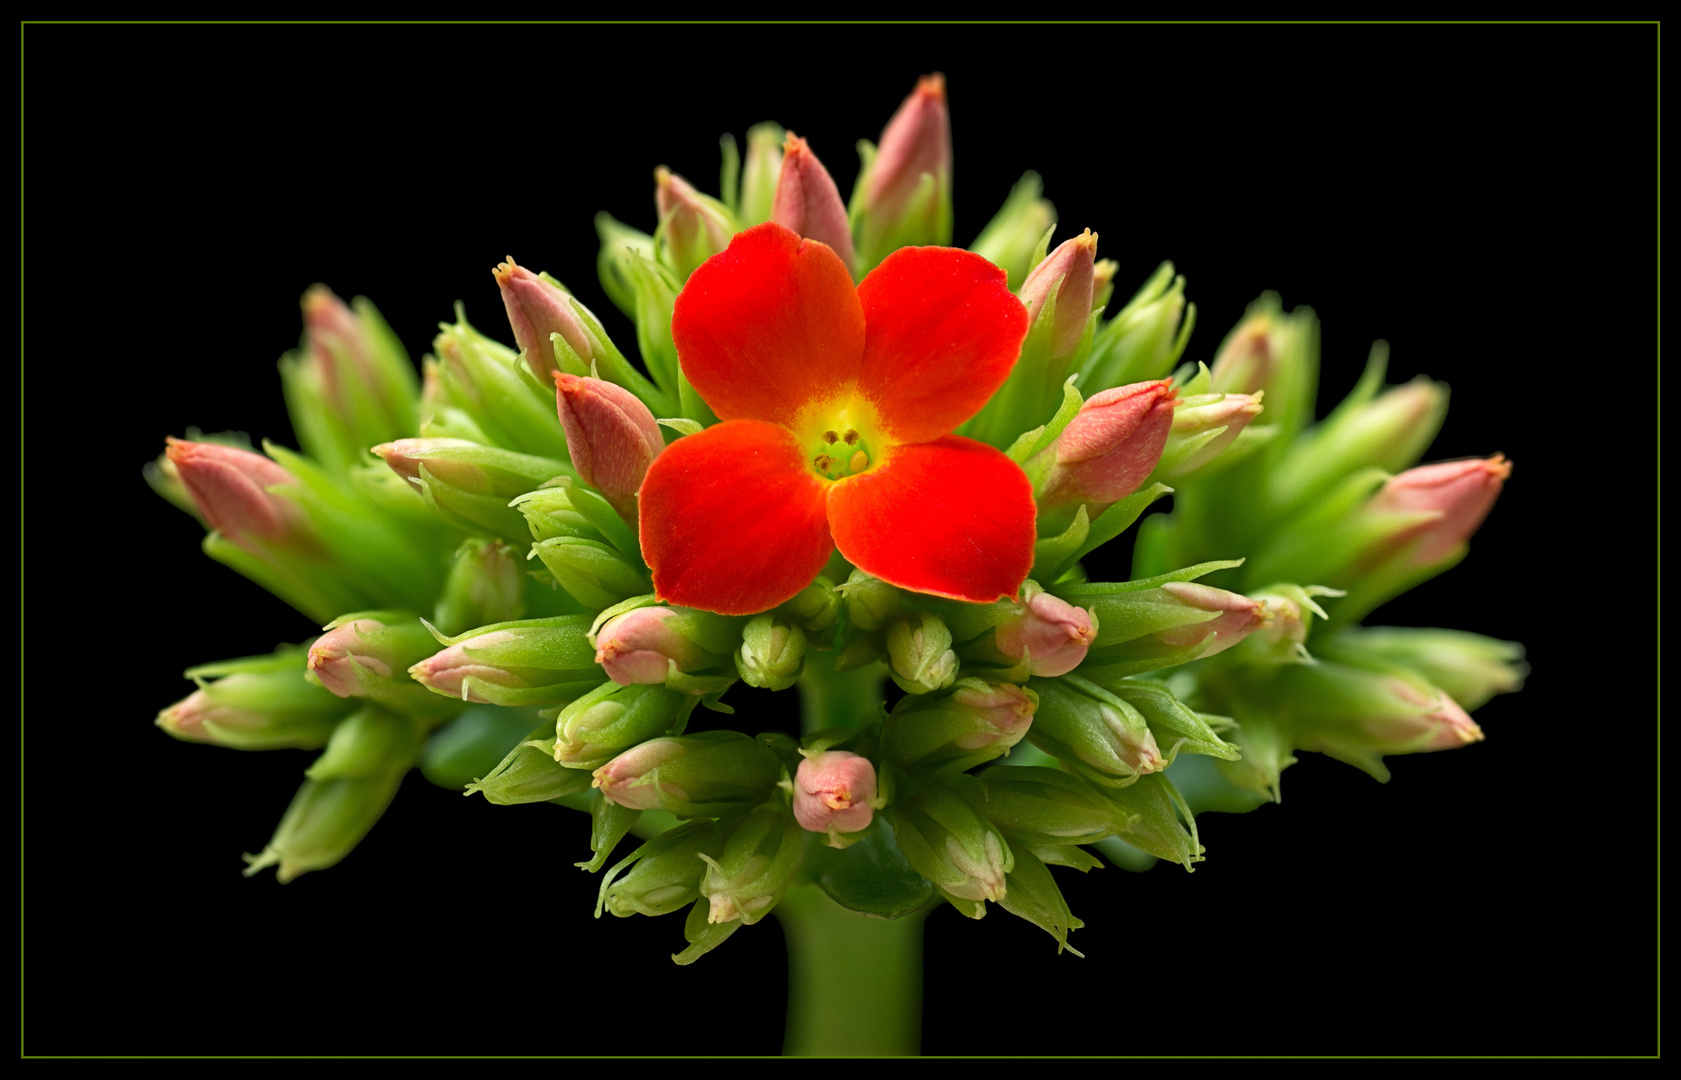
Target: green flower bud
[[530, 773], [1144, 339], [759, 173], [1158, 821], [954, 732], [1469, 668], [943, 831], [1017, 232], [473, 744], [610, 719], [756, 866], [593, 573], [666, 872], [693, 227], [527, 662], [1046, 803], [919, 654], [1104, 738], [549, 513], [709, 774], [815, 607], [871, 603], [772, 652], [256, 703], [483, 379], [470, 485], [347, 790], [486, 584]]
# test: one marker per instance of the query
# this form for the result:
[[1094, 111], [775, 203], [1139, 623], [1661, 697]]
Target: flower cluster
[[852, 457]]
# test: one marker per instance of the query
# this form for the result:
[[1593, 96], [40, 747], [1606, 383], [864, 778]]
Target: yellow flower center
[[839, 435]]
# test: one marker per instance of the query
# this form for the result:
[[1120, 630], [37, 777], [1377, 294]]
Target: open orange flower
[[836, 405]]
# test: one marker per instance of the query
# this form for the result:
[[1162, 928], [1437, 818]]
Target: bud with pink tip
[[1236, 617], [1359, 716], [808, 202], [528, 662], [833, 791], [978, 721], [1108, 449], [642, 645], [906, 189], [232, 489], [1050, 634], [538, 309], [1202, 431], [706, 775], [1067, 275], [255, 703], [693, 227], [611, 436], [367, 654], [1460, 493]]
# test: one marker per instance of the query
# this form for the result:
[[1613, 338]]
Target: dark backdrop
[[1482, 197]]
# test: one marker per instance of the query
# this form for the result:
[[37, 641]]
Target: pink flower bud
[[1233, 412], [611, 436], [808, 202], [621, 780], [917, 140], [337, 654], [335, 333], [537, 309], [186, 718], [1239, 616], [1443, 727], [1004, 709], [447, 672], [1110, 446], [406, 456], [696, 227], [1462, 492], [231, 490], [1069, 274], [641, 645], [1052, 634], [832, 792]]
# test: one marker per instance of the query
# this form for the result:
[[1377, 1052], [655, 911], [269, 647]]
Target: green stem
[[831, 698], [854, 983]]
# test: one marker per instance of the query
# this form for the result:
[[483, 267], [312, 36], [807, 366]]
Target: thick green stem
[[831, 698], [854, 983]]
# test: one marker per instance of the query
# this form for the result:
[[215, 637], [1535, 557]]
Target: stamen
[[823, 462], [859, 462], [851, 438], [830, 437]]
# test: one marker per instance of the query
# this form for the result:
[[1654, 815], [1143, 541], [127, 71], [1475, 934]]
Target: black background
[[1482, 197]]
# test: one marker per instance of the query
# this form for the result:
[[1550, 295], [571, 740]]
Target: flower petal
[[952, 517], [942, 332], [768, 325], [733, 519]]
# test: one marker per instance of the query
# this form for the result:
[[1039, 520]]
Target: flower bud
[[975, 723], [667, 872], [347, 790], [693, 227], [1039, 801], [1359, 716], [833, 793], [814, 608], [1469, 668], [532, 662], [256, 703], [351, 384], [529, 773], [808, 202], [1249, 357], [367, 655], [641, 646], [1050, 634], [1103, 282], [1145, 338], [760, 173], [1065, 277], [593, 573], [705, 775], [551, 512], [870, 602], [907, 188], [611, 719], [759, 859], [772, 652], [1108, 449], [611, 436], [1013, 236], [538, 309], [486, 584], [948, 840], [1202, 431], [232, 489], [1388, 431], [1107, 740], [469, 484], [476, 383], [919, 654], [1236, 617], [1461, 493]]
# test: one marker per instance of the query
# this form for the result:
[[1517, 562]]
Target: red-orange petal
[[941, 334], [733, 519], [952, 517], [769, 324]]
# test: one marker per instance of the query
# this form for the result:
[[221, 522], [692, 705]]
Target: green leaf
[[871, 877]]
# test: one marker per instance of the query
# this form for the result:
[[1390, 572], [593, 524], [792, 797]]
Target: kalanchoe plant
[[856, 462]]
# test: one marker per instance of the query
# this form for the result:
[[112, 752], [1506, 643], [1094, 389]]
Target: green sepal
[[600, 513], [702, 934], [871, 876], [472, 745], [1160, 821], [1046, 803], [1176, 727], [1029, 443], [1053, 854], [1008, 240], [1033, 895], [618, 243], [665, 872], [609, 823], [655, 290], [1145, 338], [682, 425], [481, 377], [591, 572], [608, 363], [1469, 668]]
